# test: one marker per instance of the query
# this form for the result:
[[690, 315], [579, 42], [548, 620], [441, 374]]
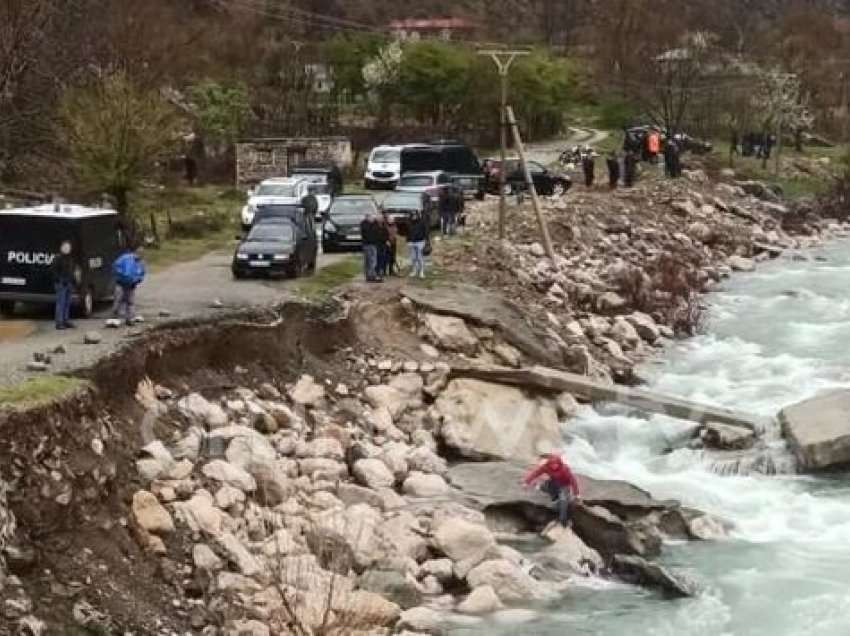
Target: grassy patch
[[39, 390], [190, 222], [327, 279]]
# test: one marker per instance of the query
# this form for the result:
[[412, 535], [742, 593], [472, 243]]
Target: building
[[258, 159], [442, 28]]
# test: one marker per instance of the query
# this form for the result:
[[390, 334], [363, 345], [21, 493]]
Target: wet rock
[[566, 405], [644, 325], [818, 430], [482, 600], [638, 571], [609, 534], [484, 420], [513, 583], [725, 437], [567, 553], [450, 333], [397, 587], [420, 619], [741, 264]]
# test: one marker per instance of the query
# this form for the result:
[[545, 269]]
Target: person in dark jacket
[[588, 165], [370, 236], [64, 279], [392, 261], [630, 162], [383, 246], [448, 210], [417, 238], [613, 163], [561, 484]]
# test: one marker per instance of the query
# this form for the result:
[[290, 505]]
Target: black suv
[[341, 227], [546, 182]]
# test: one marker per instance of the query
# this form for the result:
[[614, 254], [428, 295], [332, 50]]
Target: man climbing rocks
[[561, 484]]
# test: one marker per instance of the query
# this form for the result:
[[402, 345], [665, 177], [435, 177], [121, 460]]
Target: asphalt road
[[181, 291]]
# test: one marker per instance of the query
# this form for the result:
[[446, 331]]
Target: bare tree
[[784, 106]]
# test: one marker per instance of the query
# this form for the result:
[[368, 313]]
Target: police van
[[30, 239]]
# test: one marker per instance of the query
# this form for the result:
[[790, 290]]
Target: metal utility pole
[[544, 230], [503, 58]]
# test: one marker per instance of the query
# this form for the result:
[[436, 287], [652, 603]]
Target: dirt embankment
[[71, 465]]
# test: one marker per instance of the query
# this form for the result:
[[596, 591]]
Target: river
[[772, 337]]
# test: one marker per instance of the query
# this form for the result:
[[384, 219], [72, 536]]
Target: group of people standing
[[752, 144], [379, 233], [128, 271], [625, 169]]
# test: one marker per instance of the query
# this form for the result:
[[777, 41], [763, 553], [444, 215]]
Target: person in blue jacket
[[128, 271]]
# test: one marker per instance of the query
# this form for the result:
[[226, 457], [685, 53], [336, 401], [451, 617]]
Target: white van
[[383, 169]]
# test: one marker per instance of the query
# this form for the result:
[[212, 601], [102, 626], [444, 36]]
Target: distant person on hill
[[129, 272], [630, 162], [588, 165], [613, 163], [561, 484]]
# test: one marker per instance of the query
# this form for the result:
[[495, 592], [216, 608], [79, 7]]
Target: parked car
[[277, 246], [341, 227], [321, 172], [430, 183], [279, 191], [547, 182], [30, 239], [399, 206]]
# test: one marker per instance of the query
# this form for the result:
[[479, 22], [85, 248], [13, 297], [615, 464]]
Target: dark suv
[[546, 181], [282, 241], [341, 226]]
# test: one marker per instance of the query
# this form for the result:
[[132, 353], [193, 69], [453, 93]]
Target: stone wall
[[259, 159]]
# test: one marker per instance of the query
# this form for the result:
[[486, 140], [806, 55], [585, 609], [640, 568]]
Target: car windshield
[[352, 208], [275, 190], [386, 156], [406, 201], [417, 181], [319, 188], [283, 232]]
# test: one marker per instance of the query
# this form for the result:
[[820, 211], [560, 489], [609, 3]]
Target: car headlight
[[248, 213], [281, 257], [241, 257], [330, 227]]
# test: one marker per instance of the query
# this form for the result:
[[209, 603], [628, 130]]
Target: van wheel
[[7, 307], [87, 303]]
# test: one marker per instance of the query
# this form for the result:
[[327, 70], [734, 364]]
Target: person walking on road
[[370, 237], [417, 238], [613, 163], [65, 276], [561, 484], [129, 272]]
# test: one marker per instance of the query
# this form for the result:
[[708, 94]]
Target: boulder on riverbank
[[818, 430]]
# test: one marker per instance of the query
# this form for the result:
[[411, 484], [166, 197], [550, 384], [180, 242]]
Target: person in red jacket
[[561, 484]]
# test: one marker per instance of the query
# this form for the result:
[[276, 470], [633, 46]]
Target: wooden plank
[[588, 390]]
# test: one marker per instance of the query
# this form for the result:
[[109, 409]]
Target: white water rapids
[[773, 337]]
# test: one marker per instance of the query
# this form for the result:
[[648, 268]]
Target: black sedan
[[341, 228], [277, 246]]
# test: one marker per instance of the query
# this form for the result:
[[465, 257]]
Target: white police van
[[30, 239]]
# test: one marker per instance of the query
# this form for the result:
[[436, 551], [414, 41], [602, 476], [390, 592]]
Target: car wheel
[[87, 303], [238, 275], [7, 307]]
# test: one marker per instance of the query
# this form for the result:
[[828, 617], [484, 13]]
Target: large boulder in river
[[482, 420], [818, 430], [639, 571]]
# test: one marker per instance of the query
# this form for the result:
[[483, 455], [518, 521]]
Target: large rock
[[725, 437], [450, 333], [386, 397], [307, 392], [227, 473], [239, 555], [638, 571], [425, 485], [201, 515], [567, 553], [149, 515], [373, 473], [482, 600], [465, 543], [395, 586], [512, 582], [483, 420], [742, 264], [645, 326], [197, 408], [426, 460], [818, 430], [402, 536]]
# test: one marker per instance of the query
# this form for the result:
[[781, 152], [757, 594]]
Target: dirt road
[[181, 291], [547, 152]]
